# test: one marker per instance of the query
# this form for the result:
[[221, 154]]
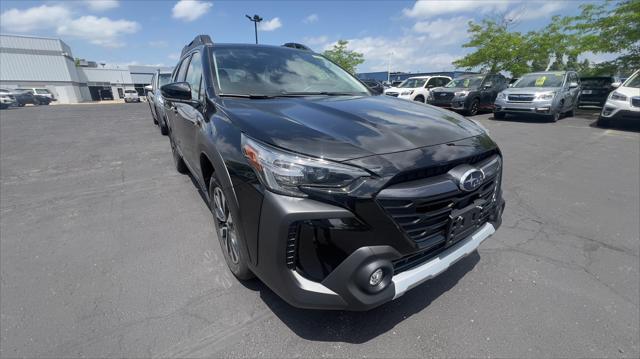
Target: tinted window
[[547, 79], [466, 82], [164, 79], [194, 75], [279, 70], [181, 70]]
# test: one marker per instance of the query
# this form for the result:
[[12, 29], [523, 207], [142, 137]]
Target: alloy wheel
[[225, 225]]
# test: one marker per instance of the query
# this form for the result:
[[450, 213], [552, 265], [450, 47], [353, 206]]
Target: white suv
[[623, 103], [417, 88]]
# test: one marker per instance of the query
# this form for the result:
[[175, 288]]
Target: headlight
[[462, 93], [285, 172], [406, 93], [501, 95], [615, 95], [547, 96]]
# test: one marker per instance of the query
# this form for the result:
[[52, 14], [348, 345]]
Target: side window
[[444, 81], [154, 84], [194, 75], [180, 71], [433, 82]]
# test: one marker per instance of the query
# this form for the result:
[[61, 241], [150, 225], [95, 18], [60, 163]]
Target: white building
[[39, 62]]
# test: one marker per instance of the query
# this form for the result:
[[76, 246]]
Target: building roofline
[[37, 37]]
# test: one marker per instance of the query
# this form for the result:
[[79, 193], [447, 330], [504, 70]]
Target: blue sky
[[411, 36]]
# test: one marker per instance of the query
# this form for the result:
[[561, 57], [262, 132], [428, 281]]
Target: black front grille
[[438, 170], [441, 96], [635, 101], [521, 98], [426, 220]]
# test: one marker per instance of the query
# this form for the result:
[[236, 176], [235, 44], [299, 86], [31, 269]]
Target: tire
[[36, 102], [474, 107], [164, 130], [603, 122], [419, 98], [181, 167], [21, 105], [499, 115], [571, 113], [554, 117], [226, 230]]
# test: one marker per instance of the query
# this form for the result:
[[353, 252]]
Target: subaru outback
[[334, 197]]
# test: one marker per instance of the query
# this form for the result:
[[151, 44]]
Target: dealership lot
[[105, 250]]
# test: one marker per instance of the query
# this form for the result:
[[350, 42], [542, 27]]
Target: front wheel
[[499, 115], [164, 130], [572, 112], [603, 122], [554, 117], [473, 108], [419, 98], [227, 231]]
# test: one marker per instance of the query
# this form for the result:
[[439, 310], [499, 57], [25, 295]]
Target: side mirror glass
[[177, 91], [616, 84]]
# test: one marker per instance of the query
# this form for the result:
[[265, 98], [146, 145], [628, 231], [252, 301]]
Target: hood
[[347, 127], [530, 90]]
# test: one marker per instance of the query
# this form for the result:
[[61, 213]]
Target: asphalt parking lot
[[106, 251]]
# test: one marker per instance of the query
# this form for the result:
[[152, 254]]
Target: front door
[[189, 114]]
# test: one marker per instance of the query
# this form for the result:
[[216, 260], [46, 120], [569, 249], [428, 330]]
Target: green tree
[[610, 28], [497, 48], [345, 58]]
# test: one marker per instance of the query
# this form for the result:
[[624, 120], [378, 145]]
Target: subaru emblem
[[471, 180]]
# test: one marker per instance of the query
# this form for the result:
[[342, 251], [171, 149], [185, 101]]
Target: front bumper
[[359, 252], [539, 107], [456, 103], [620, 110]]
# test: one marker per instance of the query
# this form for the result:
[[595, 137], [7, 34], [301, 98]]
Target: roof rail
[[197, 41], [295, 45]]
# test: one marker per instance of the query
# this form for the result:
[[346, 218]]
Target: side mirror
[[487, 85], [573, 85], [148, 88], [616, 84], [177, 91]]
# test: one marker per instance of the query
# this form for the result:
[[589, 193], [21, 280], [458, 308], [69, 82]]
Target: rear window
[[42, 91]]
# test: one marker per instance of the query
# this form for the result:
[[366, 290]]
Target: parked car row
[[333, 196], [549, 94], [25, 96]]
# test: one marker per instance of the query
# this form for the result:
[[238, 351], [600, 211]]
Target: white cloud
[[190, 10], [425, 9], [270, 25], [102, 5], [173, 56], [99, 30], [316, 40], [535, 10], [446, 31], [406, 53], [158, 44], [311, 19], [35, 18]]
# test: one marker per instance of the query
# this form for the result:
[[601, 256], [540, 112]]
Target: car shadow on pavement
[[360, 327]]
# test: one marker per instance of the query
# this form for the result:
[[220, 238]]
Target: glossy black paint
[[386, 136], [485, 94]]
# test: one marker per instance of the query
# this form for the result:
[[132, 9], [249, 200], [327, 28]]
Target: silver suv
[[548, 94]]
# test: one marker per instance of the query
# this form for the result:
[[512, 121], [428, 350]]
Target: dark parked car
[[595, 90], [155, 100], [374, 86], [469, 94], [334, 198]]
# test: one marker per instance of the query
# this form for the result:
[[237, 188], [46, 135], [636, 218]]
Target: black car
[[334, 198], [469, 94], [375, 86], [24, 97], [595, 90]]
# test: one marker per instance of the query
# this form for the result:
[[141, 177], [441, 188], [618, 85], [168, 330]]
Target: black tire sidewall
[[240, 270]]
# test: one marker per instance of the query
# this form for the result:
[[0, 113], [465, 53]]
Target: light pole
[[255, 20]]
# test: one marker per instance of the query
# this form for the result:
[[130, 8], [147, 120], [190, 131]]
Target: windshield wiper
[[250, 95], [321, 93]]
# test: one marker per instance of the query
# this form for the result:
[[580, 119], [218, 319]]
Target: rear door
[[487, 88]]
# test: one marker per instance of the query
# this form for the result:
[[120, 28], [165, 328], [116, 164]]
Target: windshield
[[596, 81], [412, 83], [42, 91], [164, 79], [465, 82], [540, 80], [277, 71], [633, 81]]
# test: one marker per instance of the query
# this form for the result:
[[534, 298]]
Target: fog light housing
[[376, 277]]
